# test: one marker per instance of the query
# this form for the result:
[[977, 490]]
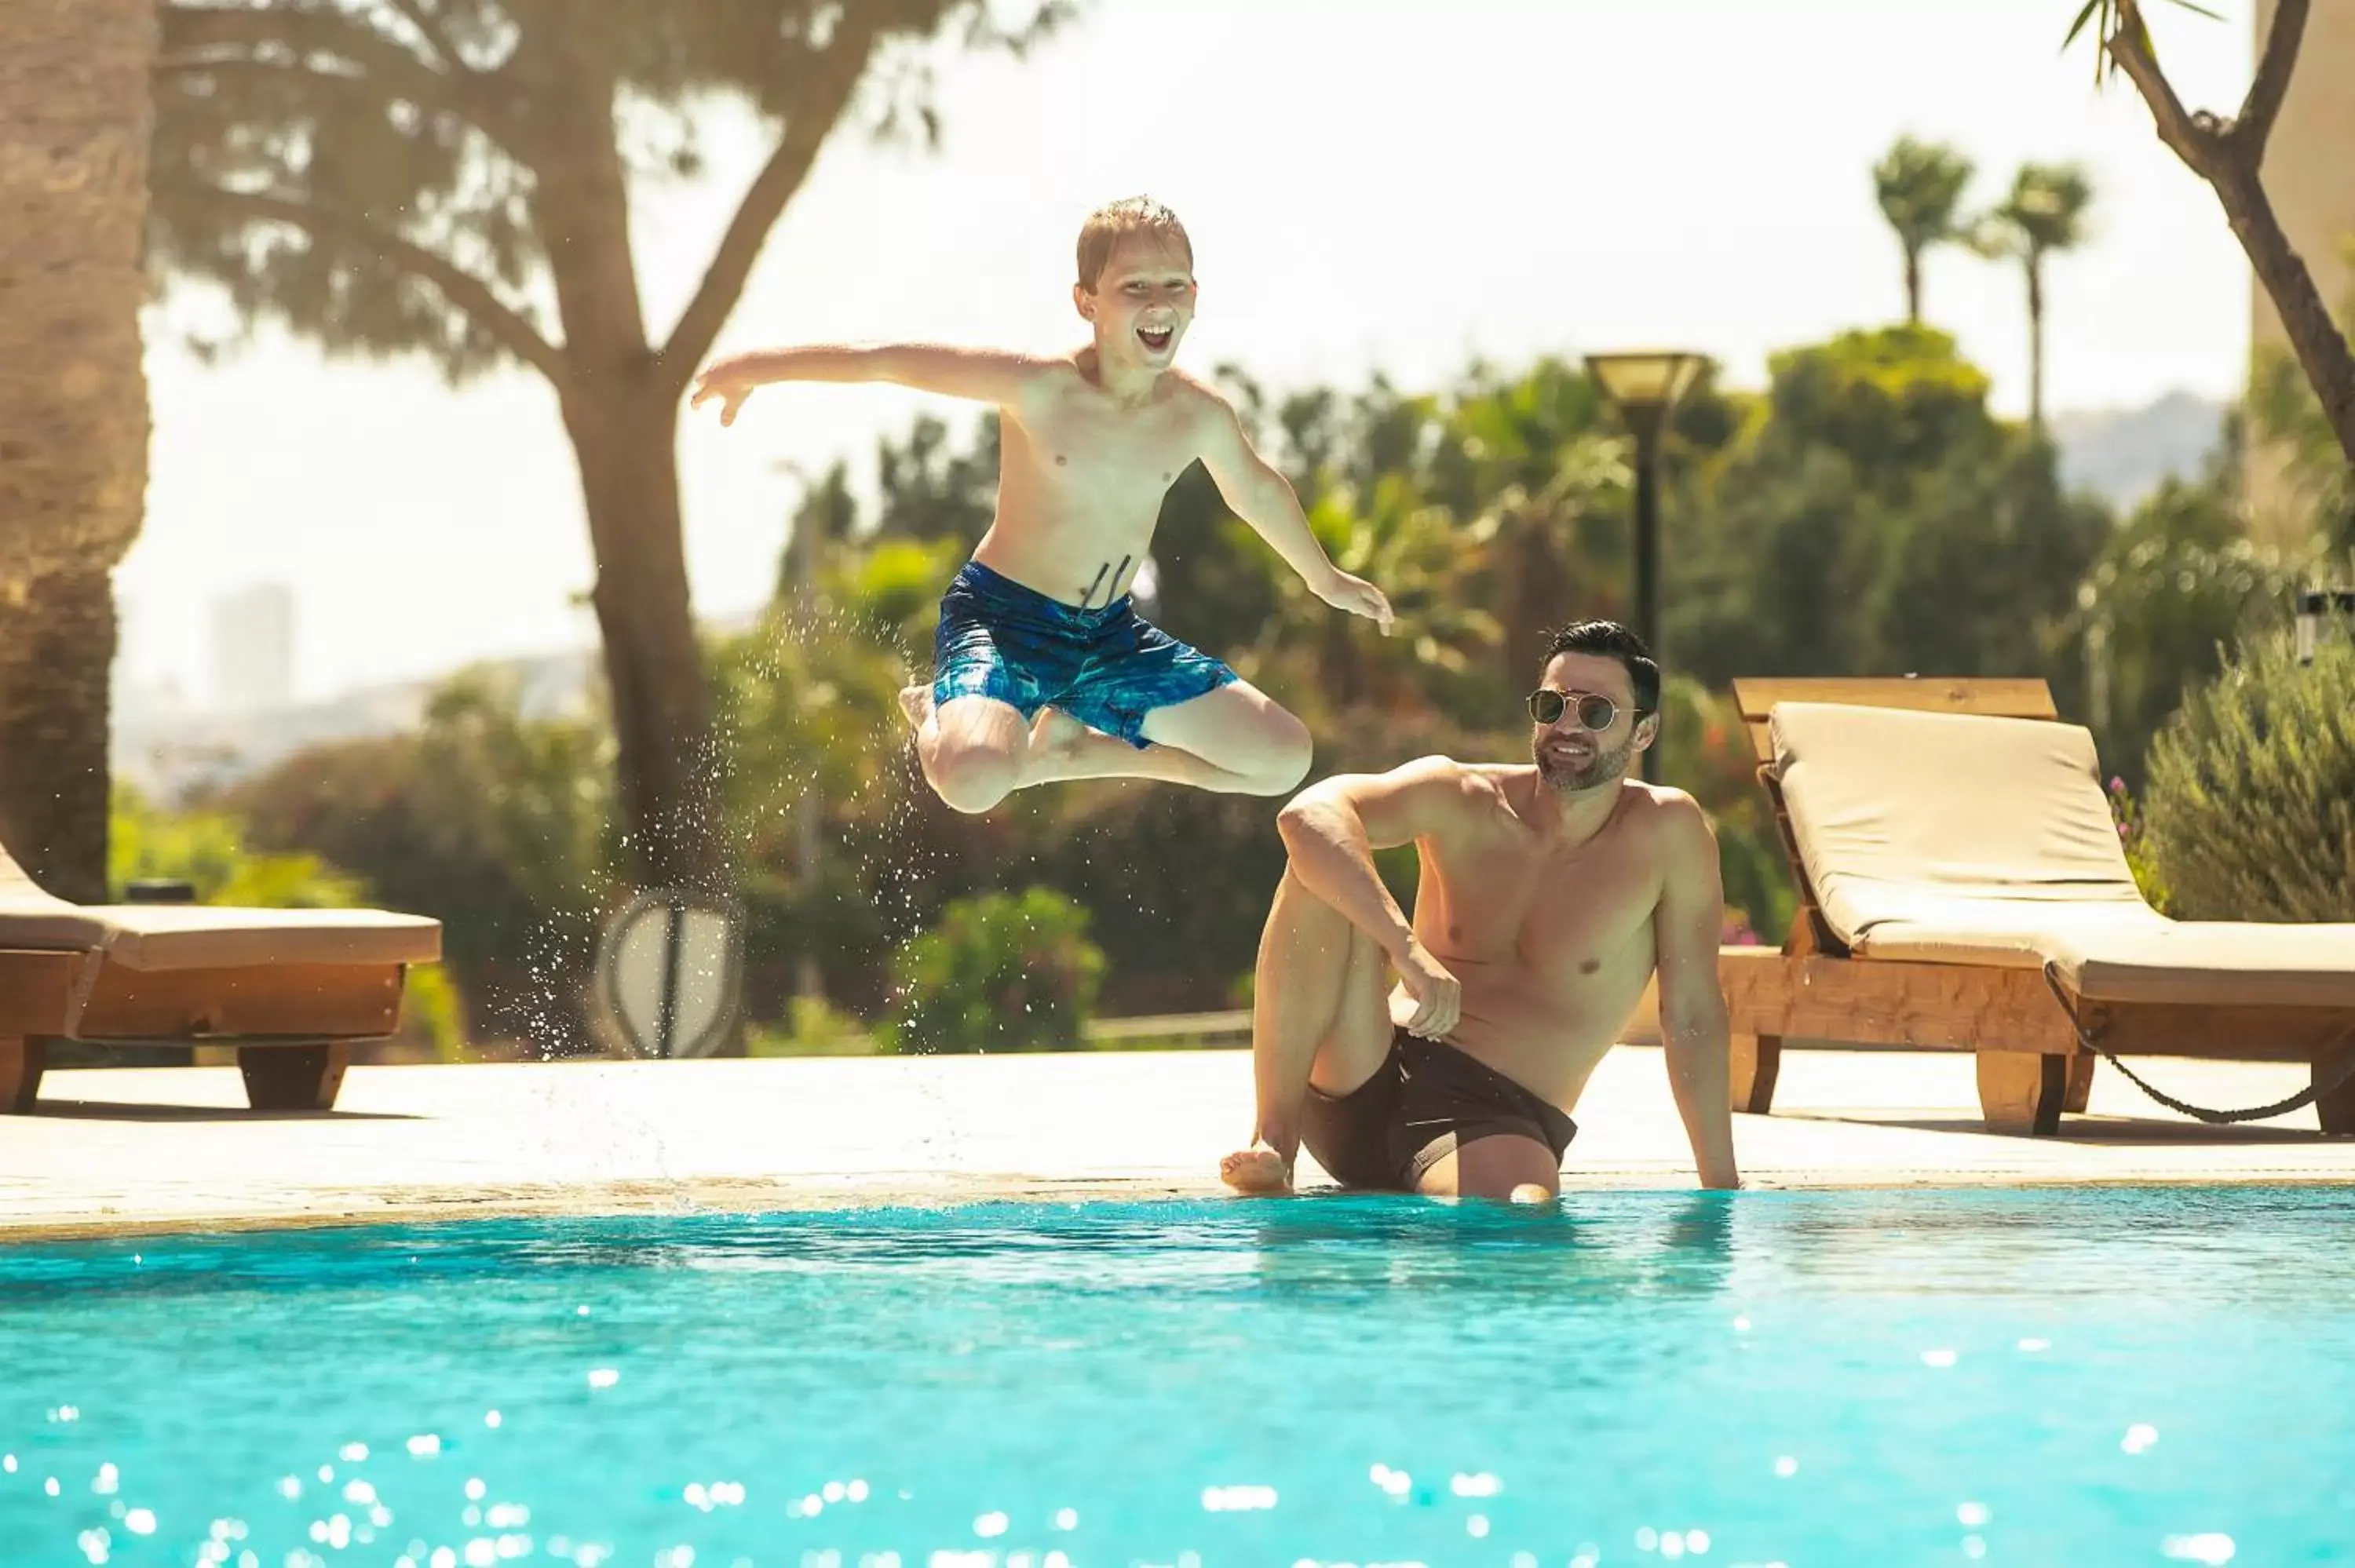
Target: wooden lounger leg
[[2022, 1091], [2081, 1083], [1757, 1058], [293, 1077], [2335, 1107], [21, 1061]]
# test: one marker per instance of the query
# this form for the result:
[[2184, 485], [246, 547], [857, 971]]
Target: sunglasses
[[1595, 713]]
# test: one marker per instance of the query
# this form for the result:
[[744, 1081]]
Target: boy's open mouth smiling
[[1156, 338]]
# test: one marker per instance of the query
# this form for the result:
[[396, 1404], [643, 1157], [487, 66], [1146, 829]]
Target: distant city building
[[253, 648], [2310, 173]]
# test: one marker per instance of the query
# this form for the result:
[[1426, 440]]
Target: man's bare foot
[[1257, 1171], [916, 704]]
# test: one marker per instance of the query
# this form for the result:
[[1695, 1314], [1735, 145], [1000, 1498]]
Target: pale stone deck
[[173, 1150]]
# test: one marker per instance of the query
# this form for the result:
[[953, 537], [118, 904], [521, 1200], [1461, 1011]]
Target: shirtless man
[[1042, 670], [1549, 894]]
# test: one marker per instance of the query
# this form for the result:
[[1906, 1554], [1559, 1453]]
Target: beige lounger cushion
[[2213, 962], [1961, 839], [199, 937]]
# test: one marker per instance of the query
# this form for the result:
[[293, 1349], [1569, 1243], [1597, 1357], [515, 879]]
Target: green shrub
[[998, 972], [2133, 837], [432, 1014], [813, 1027], [2251, 805], [208, 849]]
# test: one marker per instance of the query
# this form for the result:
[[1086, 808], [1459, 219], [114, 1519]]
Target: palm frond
[[2109, 16]]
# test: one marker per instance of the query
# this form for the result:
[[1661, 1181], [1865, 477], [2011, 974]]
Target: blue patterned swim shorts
[[1106, 667]]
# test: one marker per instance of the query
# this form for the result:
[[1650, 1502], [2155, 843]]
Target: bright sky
[[1425, 181]]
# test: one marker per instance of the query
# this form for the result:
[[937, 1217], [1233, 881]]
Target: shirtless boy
[[1042, 669], [1549, 894]]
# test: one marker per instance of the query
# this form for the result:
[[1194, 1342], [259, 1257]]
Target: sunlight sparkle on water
[[1097, 1317]]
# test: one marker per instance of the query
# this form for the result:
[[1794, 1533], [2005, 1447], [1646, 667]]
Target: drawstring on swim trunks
[[1110, 592]]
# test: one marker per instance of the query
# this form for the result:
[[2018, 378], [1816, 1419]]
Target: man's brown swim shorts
[[1423, 1103]]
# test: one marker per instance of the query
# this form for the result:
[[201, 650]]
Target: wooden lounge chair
[[291, 989], [1962, 888]]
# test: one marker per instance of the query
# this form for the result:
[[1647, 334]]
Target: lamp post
[[1644, 388]]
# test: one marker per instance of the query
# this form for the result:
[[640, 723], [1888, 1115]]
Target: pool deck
[[149, 1150]]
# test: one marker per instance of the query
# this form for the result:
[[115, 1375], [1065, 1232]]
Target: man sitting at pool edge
[[1548, 893]]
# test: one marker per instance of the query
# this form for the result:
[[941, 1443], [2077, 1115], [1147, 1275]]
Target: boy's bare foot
[[916, 704], [1257, 1171], [1054, 737]]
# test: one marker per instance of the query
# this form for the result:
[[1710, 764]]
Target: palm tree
[[2044, 212], [1920, 186], [2228, 150], [75, 126]]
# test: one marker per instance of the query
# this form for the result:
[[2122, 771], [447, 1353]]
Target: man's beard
[[1568, 779]]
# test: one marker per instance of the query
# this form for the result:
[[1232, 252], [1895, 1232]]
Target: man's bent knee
[[1503, 1167]]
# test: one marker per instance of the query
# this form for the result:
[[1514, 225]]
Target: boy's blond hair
[[1106, 226]]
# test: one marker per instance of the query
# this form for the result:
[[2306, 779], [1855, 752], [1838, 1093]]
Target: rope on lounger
[[2299, 1101]]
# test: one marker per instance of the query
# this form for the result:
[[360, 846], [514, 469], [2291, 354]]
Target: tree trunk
[[2321, 348], [2036, 343], [624, 442], [625, 433], [57, 650], [1913, 286], [75, 121]]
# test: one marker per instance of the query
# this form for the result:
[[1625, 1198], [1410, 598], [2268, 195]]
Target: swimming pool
[[2090, 1376]]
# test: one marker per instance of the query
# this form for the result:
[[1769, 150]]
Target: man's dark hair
[[1609, 640]]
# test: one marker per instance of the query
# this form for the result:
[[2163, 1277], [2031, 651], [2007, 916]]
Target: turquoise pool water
[[2094, 1377]]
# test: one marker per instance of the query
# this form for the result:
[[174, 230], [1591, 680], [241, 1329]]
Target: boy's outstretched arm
[[1264, 498], [985, 376]]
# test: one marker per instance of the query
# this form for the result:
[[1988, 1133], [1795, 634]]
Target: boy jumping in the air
[[1042, 670]]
